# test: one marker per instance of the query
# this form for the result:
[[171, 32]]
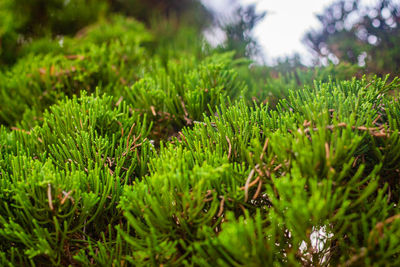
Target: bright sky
[[286, 22], [281, 31]]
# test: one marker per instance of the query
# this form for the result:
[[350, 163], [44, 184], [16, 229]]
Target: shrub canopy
[[116, 150]]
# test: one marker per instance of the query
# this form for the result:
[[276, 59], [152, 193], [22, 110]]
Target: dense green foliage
[[127, 145]]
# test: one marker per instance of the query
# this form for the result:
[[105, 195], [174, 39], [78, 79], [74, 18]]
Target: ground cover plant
[[117, 151]]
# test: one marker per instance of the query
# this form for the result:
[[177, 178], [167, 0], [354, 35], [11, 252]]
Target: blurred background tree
[[22, 21], [172, 21], [365, 35], [192, 12], [238, 30]]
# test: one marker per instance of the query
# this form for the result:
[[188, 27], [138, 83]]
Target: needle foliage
[[114, 155]]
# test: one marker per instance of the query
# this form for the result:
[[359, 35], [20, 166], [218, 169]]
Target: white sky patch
[[319, 238], [285, 24], [281, 32]]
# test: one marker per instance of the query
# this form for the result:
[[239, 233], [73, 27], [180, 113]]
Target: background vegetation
[[127, 139]]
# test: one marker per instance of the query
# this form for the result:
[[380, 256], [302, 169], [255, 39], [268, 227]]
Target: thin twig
[[252, 183], [49, 197], [208, 199], [258, 189], [246, 186], [264, 148], [230, 147], [327, 151], [277, 167], [119, 101], [186, 117], [182, 136], [129, 136], [209, 192], [221, 206], [243, 208], [375, 131], [153, 110], [67, 196], [21, 130], [377, 118], [122, 128]]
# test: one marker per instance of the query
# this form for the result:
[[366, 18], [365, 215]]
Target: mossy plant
[[113, 156]]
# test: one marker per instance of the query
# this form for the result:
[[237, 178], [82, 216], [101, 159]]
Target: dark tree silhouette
[[364, 35]]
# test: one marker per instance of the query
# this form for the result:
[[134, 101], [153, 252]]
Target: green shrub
[[179, 94], [110, 62], [270, 84], [241, 181], [63, 189], [25, 20], [319, 170], [127, 30], [117, 151]]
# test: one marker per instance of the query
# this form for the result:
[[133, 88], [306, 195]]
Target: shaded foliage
[[128, 145]]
